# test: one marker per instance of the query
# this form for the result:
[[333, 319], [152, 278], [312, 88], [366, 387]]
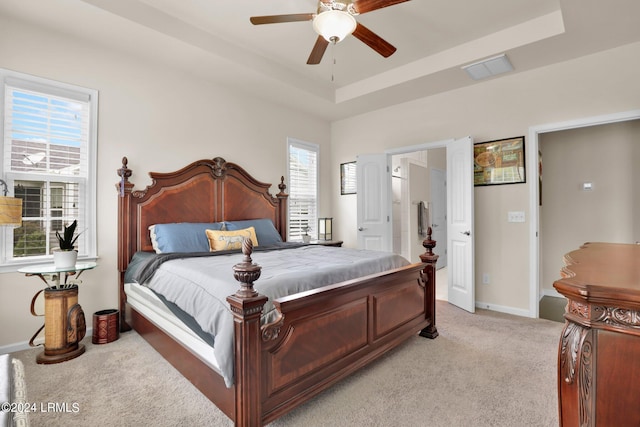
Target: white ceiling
[[214, 39]]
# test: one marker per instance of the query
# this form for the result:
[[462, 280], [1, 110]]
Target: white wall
[[161, 119], [499, 108]]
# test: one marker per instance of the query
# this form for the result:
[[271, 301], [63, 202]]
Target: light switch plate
[[515, 216]]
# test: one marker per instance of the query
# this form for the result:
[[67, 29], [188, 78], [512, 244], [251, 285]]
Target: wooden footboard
[[323, 335]]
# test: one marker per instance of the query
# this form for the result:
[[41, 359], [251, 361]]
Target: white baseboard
[[24, 345], [12, 348], [503, 309]]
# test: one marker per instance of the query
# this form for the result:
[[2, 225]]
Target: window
[[48, 159], [303, 189]]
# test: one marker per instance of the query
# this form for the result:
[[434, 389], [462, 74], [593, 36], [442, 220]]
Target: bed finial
[[247, 249], [124, 173], [429, 243], [246, 272], [219, 167], [282, 186]]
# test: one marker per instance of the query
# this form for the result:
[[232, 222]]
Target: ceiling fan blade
[[277, 19], [364, 6], [318, 51], [373, 40]]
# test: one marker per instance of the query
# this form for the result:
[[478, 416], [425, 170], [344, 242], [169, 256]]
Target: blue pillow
[[182, 236], [266, 233]]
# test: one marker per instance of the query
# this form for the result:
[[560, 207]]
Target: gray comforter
[[200, 285]]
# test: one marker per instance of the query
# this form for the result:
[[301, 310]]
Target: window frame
[[87, 186], [315, 148]]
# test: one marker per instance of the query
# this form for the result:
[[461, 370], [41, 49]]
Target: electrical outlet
[[485, 278]]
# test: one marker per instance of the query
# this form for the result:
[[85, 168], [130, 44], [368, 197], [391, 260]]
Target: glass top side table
[[51, 272], [64, 321]]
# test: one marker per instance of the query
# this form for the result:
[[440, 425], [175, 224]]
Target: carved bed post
[[428, 277], [282, 209], [124, 188], [246, 305]]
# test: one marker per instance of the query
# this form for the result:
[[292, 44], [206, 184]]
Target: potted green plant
[[65, 256], [305, 237]]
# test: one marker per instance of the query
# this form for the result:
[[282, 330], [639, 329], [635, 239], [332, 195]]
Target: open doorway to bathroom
[[420, 201]]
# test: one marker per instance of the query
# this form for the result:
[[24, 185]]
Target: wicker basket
[[64, 325]]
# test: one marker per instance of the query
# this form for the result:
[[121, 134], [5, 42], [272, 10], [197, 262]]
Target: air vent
[[488, 67]]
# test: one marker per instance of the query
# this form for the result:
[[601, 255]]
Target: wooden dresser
[[599, 351]]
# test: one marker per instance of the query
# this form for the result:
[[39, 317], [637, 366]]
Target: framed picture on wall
[[348, 178], [499, 162]]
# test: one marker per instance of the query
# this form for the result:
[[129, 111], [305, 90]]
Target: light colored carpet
[[485, 369]]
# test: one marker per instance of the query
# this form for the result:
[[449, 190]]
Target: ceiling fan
[[333, 21]]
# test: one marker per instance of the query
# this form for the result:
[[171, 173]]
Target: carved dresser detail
[[599, 351]]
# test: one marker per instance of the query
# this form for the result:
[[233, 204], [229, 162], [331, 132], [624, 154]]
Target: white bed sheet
[[145, 302]]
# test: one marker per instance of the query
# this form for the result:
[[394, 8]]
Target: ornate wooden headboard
[[204, 191]]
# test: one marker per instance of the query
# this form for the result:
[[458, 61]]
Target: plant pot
[[306, 238], [64, 259]]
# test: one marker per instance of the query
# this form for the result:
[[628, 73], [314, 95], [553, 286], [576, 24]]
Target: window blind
[[303, 190], [46, 150], [45, 134]]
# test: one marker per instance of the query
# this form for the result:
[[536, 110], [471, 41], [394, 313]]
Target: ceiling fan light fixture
[[334, 25]]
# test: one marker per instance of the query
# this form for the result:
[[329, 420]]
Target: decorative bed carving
[[320, 337]]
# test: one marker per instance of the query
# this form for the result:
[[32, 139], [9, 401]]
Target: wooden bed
[[320, 337]]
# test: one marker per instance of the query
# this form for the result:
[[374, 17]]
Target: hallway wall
[[606, 156]]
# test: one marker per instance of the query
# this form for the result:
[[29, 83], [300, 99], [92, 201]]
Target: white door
[[373, 188], [460, 271], [438, 214]]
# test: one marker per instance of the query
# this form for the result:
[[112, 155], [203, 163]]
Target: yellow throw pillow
[[220, 240]]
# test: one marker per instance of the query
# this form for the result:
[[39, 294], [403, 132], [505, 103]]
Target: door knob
[[361, 228], [466, 233], [434, 225]]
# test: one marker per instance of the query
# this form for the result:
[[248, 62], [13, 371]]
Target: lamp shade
[[334, 25], [10, 211], [324, 228]]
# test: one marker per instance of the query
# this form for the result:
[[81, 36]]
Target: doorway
[[419, 201], [374, 213], [538, 286], [419, 188]]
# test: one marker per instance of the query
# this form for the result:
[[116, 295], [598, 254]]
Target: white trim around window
[[48, 159]]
